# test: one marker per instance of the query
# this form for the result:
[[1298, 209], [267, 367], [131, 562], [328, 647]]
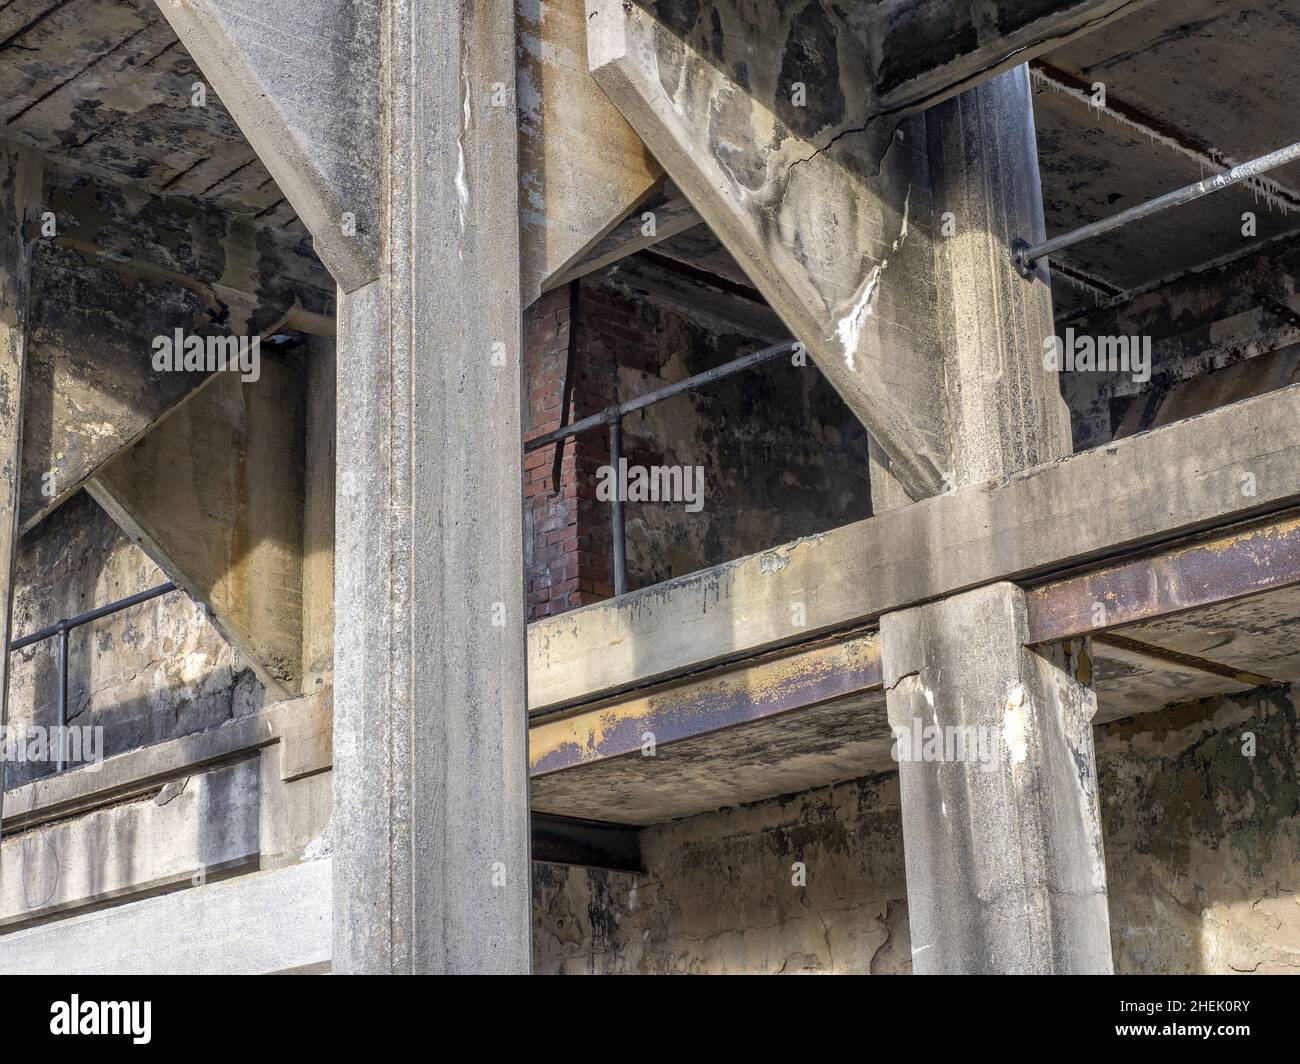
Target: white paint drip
[[1015, 731], [849, 328], [462, 189]]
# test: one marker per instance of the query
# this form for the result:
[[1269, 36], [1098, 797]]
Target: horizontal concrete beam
[[191, 830], [1222, 467], [696, 707], [1264, 556], [217, 929], [297, 724]]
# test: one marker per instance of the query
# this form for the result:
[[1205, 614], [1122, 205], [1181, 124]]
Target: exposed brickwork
[[568, 532]]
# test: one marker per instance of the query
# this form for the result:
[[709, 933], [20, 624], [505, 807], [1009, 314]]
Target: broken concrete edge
[[1080, 509], [309, 181]]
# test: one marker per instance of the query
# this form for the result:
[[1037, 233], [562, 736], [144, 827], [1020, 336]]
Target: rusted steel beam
[[1186, 661], [1261, 557], [795, 679], [586, 843]]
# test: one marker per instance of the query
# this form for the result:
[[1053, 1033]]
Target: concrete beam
[[700, 705], [215, 496], [216, 929], [1002, 834], [925, 52], [300, 77], [191, 830], [785, 129], [581, 167], [764, 118], [430, 822], [114, 268], [1171, 482], [659, 218], [1005, 408], [20, 185], [1261, 557]]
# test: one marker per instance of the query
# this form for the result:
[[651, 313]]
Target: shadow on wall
[[146, 674]]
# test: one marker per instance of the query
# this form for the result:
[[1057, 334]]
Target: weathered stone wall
[[1202, 841], [1216, 337], [153, 672], [1202, 855]]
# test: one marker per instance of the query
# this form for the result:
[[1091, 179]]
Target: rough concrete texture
[[216, 929], [147, 674], [765, 123], [720, 894], [1004, 852], [108, 86], [581, 168], [431, 827], [121, 268], [310, 108], [1216, 336], [215, 495], [1203, 841], [1005, 410], [20, 180], [187, 831], [998, 530], [1201, 849]]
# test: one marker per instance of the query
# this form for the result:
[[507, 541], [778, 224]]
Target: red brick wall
[[567, 531]]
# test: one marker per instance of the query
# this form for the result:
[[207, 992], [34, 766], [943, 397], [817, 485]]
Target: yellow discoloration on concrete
[[762, 683]]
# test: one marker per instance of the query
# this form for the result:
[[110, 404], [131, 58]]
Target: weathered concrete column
[[431, 824], [1005, 410], [1001, 823], [20, 191]]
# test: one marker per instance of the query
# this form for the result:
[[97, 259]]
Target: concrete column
[[20, 190], [1005, 411], [431, 825], [1001, 824]]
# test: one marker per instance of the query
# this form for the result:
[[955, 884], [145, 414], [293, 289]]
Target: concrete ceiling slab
[[106, 85], [1186, 84]]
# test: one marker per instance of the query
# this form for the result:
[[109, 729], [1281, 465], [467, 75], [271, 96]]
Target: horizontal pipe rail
[[1024, 255], [718, 373], [91, 615]]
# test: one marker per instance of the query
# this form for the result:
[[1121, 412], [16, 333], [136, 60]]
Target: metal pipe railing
[[62, 629], [613, 417], [1024, 255]]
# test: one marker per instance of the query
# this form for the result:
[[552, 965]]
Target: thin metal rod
[[718, 373], [91, 615], [1024, 255], [63, 699], [620, 538]]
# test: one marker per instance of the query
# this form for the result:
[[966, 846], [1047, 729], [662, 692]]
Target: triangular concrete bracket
[[767, 121], [301, 78]]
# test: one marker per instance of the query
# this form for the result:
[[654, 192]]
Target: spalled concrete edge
[[220, 928]]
